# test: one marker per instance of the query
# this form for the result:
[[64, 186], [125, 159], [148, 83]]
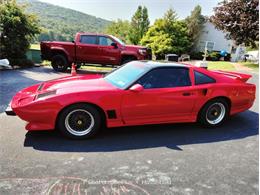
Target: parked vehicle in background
[[251, 56], [93, 49]]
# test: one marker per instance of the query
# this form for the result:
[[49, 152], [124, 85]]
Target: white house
[[214, 39]]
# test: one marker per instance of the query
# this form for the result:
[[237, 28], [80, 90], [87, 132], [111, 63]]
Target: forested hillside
[[60, 23]]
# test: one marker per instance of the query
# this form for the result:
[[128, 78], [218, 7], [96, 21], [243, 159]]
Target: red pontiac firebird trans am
[[137, 93]]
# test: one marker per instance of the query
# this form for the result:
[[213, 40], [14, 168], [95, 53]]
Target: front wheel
[[79, 121], [214, 113]]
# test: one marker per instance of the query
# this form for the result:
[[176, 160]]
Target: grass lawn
[[220, 65], [254, 67], [96, 68], [86, 67], [35, 46]]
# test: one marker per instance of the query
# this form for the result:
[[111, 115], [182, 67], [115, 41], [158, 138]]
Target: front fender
[[129, 53]]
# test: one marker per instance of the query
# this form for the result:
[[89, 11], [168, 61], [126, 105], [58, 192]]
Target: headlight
[[48, 93], [142, 51]]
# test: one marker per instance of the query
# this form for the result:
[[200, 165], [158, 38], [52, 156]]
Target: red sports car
[[137, 93]]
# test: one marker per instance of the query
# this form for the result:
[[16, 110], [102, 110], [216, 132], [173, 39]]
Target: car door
[[108, 54], [168, 96], [87, 49]]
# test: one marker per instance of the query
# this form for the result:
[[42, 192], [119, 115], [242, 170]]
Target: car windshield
[[118, 40], [126, 75]]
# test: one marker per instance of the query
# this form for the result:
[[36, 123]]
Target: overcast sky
[[124, 9]]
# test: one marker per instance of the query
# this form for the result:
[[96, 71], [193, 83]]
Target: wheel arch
[[128, 56], [56, 51], [100, 110], [225, 98]]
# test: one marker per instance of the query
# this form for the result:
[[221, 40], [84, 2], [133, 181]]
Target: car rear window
[[201, 78]]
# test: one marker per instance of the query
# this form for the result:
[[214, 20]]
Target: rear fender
[[61, 50], [211, 94]]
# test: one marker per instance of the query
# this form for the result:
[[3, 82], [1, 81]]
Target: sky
[[124, 9]]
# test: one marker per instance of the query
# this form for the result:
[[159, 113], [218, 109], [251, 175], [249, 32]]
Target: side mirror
[[136, 88], [114, 45]]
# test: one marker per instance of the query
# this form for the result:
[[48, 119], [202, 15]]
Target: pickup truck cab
[[91, 48]]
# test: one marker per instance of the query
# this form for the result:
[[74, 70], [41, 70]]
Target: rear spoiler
[[238, 76]]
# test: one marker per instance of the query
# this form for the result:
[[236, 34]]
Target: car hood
[[76, 84]]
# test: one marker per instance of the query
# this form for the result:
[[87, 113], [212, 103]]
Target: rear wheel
[[79, 121], [59, 63], [214, 113]]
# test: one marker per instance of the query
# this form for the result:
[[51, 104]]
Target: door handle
[[187, 94]]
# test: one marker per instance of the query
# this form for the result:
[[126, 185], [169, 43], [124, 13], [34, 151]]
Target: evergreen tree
[[195, 25], [139, 25]]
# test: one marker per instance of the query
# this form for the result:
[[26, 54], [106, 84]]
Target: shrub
[[196, 55], [214, 56], [227, 57]]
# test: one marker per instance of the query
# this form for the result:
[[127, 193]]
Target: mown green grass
[[96, 68], [220, 65], [254, 67]]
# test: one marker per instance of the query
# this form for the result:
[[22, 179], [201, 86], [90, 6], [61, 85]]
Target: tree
[[120, 29], [167, 35], [18, 29], [240, 19], [139, 25], [195, 25]]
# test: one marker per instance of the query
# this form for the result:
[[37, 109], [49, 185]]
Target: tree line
[[167, 35], [239, 19]]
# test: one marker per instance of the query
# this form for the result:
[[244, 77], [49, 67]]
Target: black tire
[[76, 117], [214, 113], [59, 63], [127, 59]]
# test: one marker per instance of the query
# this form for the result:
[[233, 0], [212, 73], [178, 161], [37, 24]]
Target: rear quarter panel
[[240, 94]]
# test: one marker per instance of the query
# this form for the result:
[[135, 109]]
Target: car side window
[[166, 78], [88, 39], [201, 78], [105, 41]]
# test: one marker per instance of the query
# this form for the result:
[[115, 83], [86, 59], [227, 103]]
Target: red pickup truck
[[93, 49]]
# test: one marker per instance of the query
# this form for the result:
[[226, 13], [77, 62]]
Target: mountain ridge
[[59, 23]]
